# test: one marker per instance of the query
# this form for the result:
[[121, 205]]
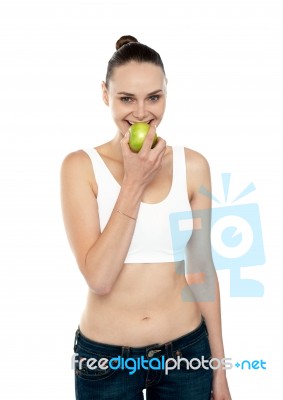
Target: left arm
[[200, 271]]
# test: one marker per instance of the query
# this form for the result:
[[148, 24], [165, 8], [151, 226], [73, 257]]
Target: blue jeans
[[138, 368]]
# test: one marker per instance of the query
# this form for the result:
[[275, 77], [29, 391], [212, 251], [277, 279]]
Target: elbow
[[99, 286], [100, 290], [96, 281]]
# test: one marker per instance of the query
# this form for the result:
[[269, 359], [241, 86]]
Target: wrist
[[220, 372], [129, 200], [132, 190]]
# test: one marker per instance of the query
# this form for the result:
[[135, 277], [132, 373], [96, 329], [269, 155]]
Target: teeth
[[132, 123]]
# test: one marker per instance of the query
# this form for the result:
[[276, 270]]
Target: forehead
[[137, 77]]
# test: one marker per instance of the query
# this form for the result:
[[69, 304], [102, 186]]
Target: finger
[[126, 137], [148, 141], [160, 146], [125, 142], [157, 154]]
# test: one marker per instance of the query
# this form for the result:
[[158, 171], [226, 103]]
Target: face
[[136, 93]]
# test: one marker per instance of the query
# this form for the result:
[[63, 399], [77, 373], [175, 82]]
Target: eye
[[126, 99], [154, 98]]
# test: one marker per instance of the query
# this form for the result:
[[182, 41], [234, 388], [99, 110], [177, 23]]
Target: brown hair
[[128, 49]]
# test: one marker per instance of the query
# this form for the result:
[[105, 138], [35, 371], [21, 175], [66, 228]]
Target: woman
[[141, 305]]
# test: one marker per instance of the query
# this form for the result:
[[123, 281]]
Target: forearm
[[105, 258], [101, 255], [211, 311], [212, 315]]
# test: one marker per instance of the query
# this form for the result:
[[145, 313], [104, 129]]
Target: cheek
[[117, 116], [115, 111], [120, 112], [159, 108]]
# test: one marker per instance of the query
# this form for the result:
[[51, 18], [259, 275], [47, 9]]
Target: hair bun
[[124, 40]]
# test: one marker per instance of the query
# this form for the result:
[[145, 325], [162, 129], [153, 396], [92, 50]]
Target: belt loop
[[169, 349], [76, 339], [125, 351]]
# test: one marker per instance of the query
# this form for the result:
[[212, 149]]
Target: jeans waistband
[[180, 342]]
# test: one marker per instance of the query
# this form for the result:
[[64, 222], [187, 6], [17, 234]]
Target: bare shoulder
[[77, 162], [76, 159], [198, 172], [77, 165], [196, 162]]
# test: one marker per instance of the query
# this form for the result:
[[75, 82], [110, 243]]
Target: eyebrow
[[149, 94]]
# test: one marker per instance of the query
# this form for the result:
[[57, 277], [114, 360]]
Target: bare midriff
[[148, 304]]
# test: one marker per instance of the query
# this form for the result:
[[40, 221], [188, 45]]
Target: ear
[[105, 93], [166, 83]]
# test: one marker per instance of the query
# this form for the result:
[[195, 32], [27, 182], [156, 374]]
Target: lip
[[136, 122]]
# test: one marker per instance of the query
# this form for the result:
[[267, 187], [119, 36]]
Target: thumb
[[125, 138], [125, 141]]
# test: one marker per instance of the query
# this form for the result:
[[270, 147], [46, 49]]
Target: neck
[[115, 146]]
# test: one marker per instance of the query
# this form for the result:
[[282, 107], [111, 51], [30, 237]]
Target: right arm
[[100, 255]]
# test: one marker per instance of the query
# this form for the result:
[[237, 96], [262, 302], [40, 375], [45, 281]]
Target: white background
[[224, 63]]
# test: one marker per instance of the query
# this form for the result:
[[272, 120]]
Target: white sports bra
[[155, 240]]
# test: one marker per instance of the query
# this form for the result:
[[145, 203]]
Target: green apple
[[138, 132]]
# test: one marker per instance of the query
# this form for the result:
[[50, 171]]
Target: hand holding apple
[[141, 166], [138, 132]]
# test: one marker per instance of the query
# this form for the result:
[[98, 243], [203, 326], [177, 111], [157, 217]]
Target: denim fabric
[[116, 382]]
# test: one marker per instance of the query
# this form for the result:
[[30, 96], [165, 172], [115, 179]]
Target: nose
[[140, 112]]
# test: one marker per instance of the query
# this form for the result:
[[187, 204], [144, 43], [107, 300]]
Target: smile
[[134, 122]]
